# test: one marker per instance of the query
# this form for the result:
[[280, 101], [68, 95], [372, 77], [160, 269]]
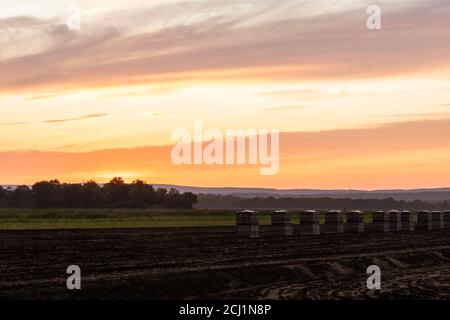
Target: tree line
[[114, 194], [210, 201], [139, 194]]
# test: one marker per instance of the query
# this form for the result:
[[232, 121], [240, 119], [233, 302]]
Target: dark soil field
[[212, 263]]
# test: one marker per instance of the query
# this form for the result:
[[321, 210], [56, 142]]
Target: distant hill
[[431, 195]]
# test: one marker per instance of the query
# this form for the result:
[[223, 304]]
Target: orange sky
[[356, 108]]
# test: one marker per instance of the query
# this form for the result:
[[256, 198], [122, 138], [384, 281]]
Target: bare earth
[[212, 263]]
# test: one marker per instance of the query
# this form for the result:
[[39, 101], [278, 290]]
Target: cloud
[[43, 97], [24, 35], [85, 117], [300, 93], [285, 108], [418, 135], [260, 44], [416, 115], [21, 22], [152, 115], [147, 92], [13, 123], [405, 154], [304, 94]]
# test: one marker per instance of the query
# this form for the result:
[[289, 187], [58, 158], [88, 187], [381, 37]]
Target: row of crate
[[383, 221]]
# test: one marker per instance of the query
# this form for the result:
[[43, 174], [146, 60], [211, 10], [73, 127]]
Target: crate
[[334, 217], [424, 220], [331, 227], [281, 217], [282, 229], [447, 219], [395, 220], [247, 217], [310, 216], [309, 228], [437, 220], [407, 221], [354, 227], [248, 231], [355, 217]]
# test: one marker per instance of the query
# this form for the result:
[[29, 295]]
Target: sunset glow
[[356, 108]]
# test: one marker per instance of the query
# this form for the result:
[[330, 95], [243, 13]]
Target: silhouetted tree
[[234, 202], [20, 197], [92, 195], [114, 194], [47, 194], [161, 195], [3, 194], [72, 196], [117, 193], [189, 200], [141, 194]]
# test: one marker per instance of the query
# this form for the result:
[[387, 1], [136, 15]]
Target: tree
[[189, 200], [172, 199], [72, 195], [20, 197], [117, 193], [160, 196], [3, 194], [92, 195], [137, 194], [47, 194]]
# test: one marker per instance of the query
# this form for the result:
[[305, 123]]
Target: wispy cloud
[[259, 43], [85, 117], [13, 123], [404, 154], [152, 115], [43, 97], [285, 108], [424, 115], [146, 92]]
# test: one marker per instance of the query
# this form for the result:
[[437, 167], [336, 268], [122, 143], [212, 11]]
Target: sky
[[356, 108]]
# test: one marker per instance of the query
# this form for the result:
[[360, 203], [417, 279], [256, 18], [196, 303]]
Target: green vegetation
[[21, 219], [16, 219], [96, 223]]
